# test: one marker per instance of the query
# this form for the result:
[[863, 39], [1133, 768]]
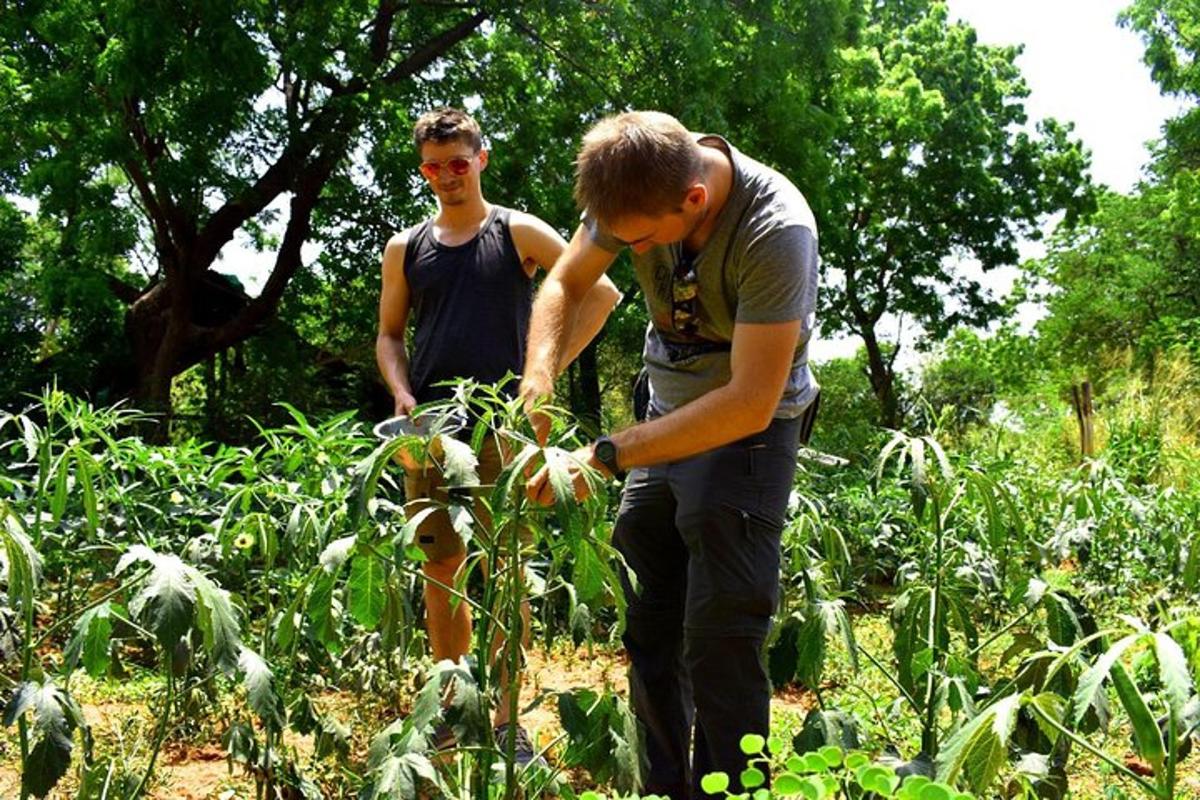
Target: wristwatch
[[605, 452]]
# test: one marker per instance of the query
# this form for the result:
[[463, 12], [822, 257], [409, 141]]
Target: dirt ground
[[201, 772]]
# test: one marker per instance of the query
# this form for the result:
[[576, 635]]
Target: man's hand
[[405, 403], [533, 392], [539, 489]]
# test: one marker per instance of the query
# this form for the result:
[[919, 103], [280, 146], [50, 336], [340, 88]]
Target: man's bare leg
[[449, 630]]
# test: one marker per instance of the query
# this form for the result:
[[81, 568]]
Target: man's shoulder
[[523, 220]]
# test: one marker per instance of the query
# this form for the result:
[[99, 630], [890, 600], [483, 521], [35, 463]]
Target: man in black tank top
[[466, 277]]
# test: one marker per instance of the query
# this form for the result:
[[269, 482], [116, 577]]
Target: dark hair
[[639, 162], [447, 125]]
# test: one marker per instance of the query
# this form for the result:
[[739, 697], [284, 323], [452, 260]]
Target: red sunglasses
[[459, 165]]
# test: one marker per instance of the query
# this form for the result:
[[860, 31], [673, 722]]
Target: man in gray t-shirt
[[759, 265], [725, 251]]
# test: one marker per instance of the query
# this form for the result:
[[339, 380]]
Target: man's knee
[[726, 668], [444, 570]]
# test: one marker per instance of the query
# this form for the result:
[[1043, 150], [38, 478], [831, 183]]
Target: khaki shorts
[[436, 535]]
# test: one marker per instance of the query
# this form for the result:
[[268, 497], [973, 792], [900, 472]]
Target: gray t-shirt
[[759, 265]]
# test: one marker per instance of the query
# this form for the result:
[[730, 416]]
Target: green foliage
[[1125, 281], [55, 718], [930, 163], [603, 738], [848, 421], [829, 772]]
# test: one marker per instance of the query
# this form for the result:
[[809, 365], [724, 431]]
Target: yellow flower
[[243, 541], [176, 497]]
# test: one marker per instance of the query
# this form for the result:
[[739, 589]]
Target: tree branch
[[427, 53]]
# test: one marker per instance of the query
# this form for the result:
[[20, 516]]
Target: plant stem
[[99, 601], [513, 651], [912, 701], [160, 733], [1014, 623], [929, 733], [1097, 752]]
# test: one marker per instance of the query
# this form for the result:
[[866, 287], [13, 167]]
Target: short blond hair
[[639, 162], [443, 125]]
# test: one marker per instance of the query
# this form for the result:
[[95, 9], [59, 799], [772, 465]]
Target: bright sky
[[1082, 68]]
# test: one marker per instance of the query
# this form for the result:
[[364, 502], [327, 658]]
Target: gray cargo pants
[[702, 537]]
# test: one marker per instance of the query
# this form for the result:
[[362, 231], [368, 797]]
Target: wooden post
[[1081, 399]]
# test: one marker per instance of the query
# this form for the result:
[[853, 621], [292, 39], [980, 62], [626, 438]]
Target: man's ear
[[696, 197], [483, 157]]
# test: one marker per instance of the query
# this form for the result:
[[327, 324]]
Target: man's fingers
[[582, 490], [541, 426], [536, 487]]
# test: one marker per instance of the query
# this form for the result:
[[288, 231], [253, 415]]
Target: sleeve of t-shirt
[[600, 235], [778, 279]]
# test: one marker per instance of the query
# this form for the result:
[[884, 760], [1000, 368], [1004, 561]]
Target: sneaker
[[523, 754], [443, 737]]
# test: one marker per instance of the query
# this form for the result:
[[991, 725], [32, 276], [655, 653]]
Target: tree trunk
[[883, 381]]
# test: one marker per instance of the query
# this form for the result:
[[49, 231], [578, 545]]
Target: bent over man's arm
[[539, 243], [556, 316]]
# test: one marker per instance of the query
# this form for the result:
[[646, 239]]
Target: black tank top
[[470, 306]]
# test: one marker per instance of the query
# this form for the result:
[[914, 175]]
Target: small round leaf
[[752, 744], [813, 788], [775, 745], [936, 791], [714, 783], [855, 760], [832, 755], [787, 784], [752, 777]]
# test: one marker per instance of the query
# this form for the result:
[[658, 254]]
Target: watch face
[[606, 452]]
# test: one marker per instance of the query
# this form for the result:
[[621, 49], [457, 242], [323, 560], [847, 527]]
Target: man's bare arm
[[556, 312], [390, 354], [536, 241], [760, 362]]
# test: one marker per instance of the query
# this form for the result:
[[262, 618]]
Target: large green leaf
[[1050, 705], [587, 573], [336, 552], [365, 597], [168, 600], [467, 712], [810, 650], [324, 612], [22, 562], [460, 465], [260, 689], [1173, 670], [783, 654], [558, 466], [586, 717], [1092, 680], [979, 749], [55, 718], [1146, 734], [216, 620], [89, 641], [86, 471], [628, 754]]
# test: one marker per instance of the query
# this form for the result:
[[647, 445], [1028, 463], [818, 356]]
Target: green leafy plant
[[829, 772]]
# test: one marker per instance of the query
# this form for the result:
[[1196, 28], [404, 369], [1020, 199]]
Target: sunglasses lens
[[431, 169], [459, 166]]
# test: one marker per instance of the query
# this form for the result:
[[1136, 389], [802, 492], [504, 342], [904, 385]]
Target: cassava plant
[[570, 535]]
